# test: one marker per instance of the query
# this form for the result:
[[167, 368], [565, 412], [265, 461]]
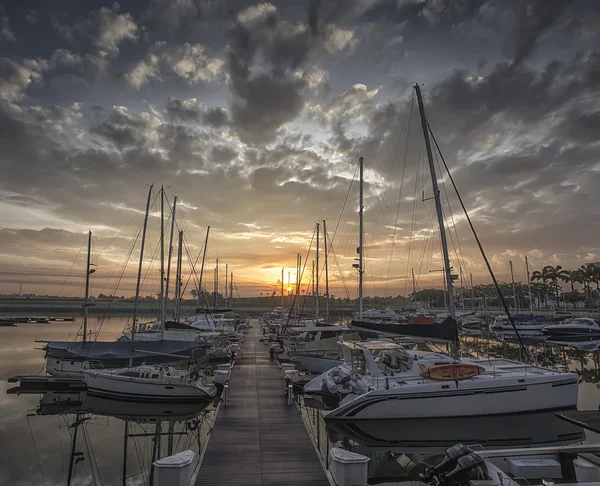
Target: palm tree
[[573, 277], [588, 275], [554, 274]]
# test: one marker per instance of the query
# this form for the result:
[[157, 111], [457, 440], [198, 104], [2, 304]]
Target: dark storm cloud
[[534, 18], [253, 114], [193, 111]]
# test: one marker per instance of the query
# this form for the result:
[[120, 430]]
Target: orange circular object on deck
[[451, 372]]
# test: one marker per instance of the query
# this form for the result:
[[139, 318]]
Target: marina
[[310, 243], [257, 438]]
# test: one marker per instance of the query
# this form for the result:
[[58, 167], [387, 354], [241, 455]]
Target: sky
[[253, 114]]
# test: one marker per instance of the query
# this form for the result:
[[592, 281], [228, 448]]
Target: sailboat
[[150, 382], [380, 379], [68, 358]]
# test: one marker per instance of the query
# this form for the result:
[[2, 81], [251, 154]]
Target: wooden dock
[[258, 439]]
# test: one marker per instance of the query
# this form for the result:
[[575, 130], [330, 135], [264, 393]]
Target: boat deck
[[258, 439]]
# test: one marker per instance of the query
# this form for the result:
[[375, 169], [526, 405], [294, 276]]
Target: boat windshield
[[395, 359]]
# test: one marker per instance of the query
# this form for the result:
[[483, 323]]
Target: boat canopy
[[143, 350]]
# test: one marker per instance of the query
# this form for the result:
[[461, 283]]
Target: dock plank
[[258, 440]]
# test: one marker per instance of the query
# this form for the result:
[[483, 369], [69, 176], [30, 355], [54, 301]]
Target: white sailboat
[[153, 383], [384, 380], [150, 382]]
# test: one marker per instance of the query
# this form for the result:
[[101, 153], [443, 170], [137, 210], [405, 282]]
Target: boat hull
[[315, 364], [461, 399], [109, 386]]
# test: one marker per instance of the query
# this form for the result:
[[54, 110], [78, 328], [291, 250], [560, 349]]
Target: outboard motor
[[469, 467], [448, 463]]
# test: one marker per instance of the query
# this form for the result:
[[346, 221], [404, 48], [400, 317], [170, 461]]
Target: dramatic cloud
[[254, 113], [190, 62]]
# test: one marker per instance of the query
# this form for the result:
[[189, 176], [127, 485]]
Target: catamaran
[[385, 380]]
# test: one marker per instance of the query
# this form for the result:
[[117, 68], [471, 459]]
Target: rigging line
[[414, 209], [132, 243], [115, 237], [406, 110], [395, 232], [37, 455], [301, 277], [485, 259], [459, 254], [344, 206], [111, 303]]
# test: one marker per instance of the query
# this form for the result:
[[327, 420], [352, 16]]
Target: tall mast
[[162, 262], [462, 292], [438, 206], [529, 286], [178, 277], [217, 285], [361, 161], [472, 292], [312, 277], [139, 276], [512, 279], [226, 284], [231, 290], [317, 277], [412, 271], [88, 272], [202, 269], [326, 272], [170, 247], [298, 270], [282, 277]]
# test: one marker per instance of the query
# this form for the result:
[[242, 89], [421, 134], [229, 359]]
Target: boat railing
[[95, 364]]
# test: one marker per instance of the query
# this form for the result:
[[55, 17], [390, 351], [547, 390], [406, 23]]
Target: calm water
[[37, 431]]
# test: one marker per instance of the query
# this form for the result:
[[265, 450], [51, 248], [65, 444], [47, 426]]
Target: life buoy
[[194, 376]]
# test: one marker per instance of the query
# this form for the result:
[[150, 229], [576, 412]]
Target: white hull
[[497, 396], [106, 385], [315, 364]]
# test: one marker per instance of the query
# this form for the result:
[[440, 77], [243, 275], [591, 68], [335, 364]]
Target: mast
[[462, 292], [231, 290], [317, 278], [124, 467], [326, 272], [216, 305], [512, 279], [202, 269], [438, 208], [312, 277], [226, 284], [139, 276], [88, 272], [472, 292], [529, 286], [178, 277], [412, 271], [361, 161], [282, 277], [162, 262], [170, 247]]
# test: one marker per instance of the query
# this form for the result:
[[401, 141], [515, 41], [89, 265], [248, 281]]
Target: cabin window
[[132, 374], [155, 375]]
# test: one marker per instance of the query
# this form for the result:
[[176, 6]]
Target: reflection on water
[[69, 437], [400, 449]]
